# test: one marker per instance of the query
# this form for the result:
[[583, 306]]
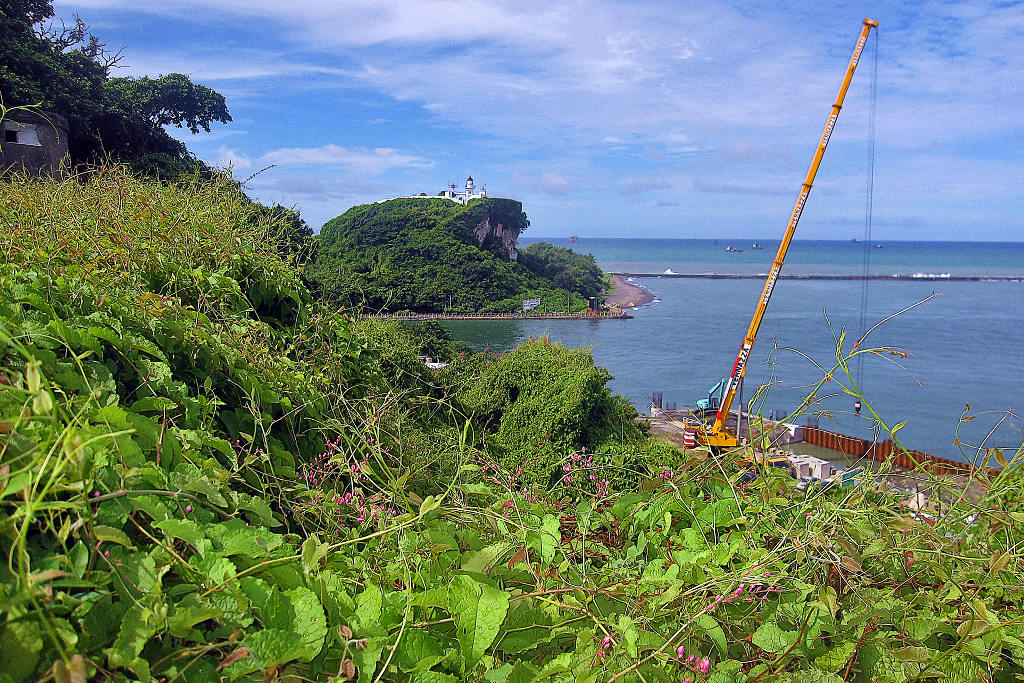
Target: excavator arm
[[718, 436]]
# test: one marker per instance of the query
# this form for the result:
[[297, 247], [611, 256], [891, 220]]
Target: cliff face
[[487, 233], [499, 222]]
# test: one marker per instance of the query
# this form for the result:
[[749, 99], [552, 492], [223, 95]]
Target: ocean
[[958, 351]]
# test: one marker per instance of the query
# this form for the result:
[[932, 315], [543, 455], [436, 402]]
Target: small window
[[21, 134]]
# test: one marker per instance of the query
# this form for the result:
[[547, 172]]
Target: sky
[[608, 119]]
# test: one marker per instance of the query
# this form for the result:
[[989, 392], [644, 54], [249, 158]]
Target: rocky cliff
[[498, 226]]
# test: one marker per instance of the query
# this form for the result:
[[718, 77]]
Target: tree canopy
[[67, 70], [566, 268]]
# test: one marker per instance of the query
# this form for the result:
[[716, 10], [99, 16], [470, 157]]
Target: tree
[[567, 269], [66, 70], [145, 105]]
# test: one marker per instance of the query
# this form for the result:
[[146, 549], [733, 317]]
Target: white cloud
[[642, 184], [583, 93], [363, 161], [229, 157]]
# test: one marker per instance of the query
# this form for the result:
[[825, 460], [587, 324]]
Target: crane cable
[[869, 202]]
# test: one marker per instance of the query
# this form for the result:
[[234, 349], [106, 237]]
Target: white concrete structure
[[467, 194], [810, 466]]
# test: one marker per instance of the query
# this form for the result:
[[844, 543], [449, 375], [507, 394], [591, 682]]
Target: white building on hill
[[467, 194], [461, 197]]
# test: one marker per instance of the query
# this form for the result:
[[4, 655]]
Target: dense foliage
[[424, 255], [542, 400], [206, 475], [67, 70], [566, 268]]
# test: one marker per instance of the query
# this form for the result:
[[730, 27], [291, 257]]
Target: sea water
[[959, 346]]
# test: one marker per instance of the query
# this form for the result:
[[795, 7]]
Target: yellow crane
[[718, 436]]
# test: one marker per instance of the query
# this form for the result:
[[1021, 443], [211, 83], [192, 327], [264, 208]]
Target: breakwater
[[915, 277]]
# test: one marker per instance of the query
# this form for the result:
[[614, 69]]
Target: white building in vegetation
[[461, 197]]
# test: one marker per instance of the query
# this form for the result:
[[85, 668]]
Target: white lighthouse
[[469, 193], [463, 197]]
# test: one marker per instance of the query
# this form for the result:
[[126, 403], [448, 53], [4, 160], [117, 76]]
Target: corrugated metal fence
[[884, 451]]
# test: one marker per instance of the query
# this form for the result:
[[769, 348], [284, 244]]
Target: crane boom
[[719, 436]]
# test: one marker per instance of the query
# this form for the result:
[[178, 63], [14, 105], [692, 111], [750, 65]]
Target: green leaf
[[309, 621], [478, 611], [185, 529], [713, 630], [260, 509], [153, 404], [836, 657], [274, 646], [545, 540], [418, 650], [312, 552], [434, 677], [429, 503], [20, 642], [235, 538], [111, 535], [482, 560], [188, 613], [770, 638], [912, 654], [522, 672], [137, 627], [630, 633], [524, 629], [368, 605]]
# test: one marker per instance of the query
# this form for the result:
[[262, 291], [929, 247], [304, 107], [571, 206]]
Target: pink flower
[[188, 508], [680, 651]]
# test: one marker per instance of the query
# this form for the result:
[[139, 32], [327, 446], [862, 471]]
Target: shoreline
[[623, 294]]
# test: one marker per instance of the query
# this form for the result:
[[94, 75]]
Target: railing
[[593, 315]]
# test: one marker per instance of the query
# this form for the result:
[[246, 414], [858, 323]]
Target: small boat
[[878, 246], [734, 251], [755, 245], [573, 238]]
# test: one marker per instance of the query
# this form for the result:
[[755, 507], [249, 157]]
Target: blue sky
[[607, 119]]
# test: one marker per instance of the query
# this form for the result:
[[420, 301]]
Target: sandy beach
[[624, 294]]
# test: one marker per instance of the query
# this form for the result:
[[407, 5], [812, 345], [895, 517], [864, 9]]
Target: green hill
[[432, 255]]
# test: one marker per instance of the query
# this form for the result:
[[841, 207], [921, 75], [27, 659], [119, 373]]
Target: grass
[[207, 475]]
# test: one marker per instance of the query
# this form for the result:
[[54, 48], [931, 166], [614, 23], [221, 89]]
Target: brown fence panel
[[884, 450]]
